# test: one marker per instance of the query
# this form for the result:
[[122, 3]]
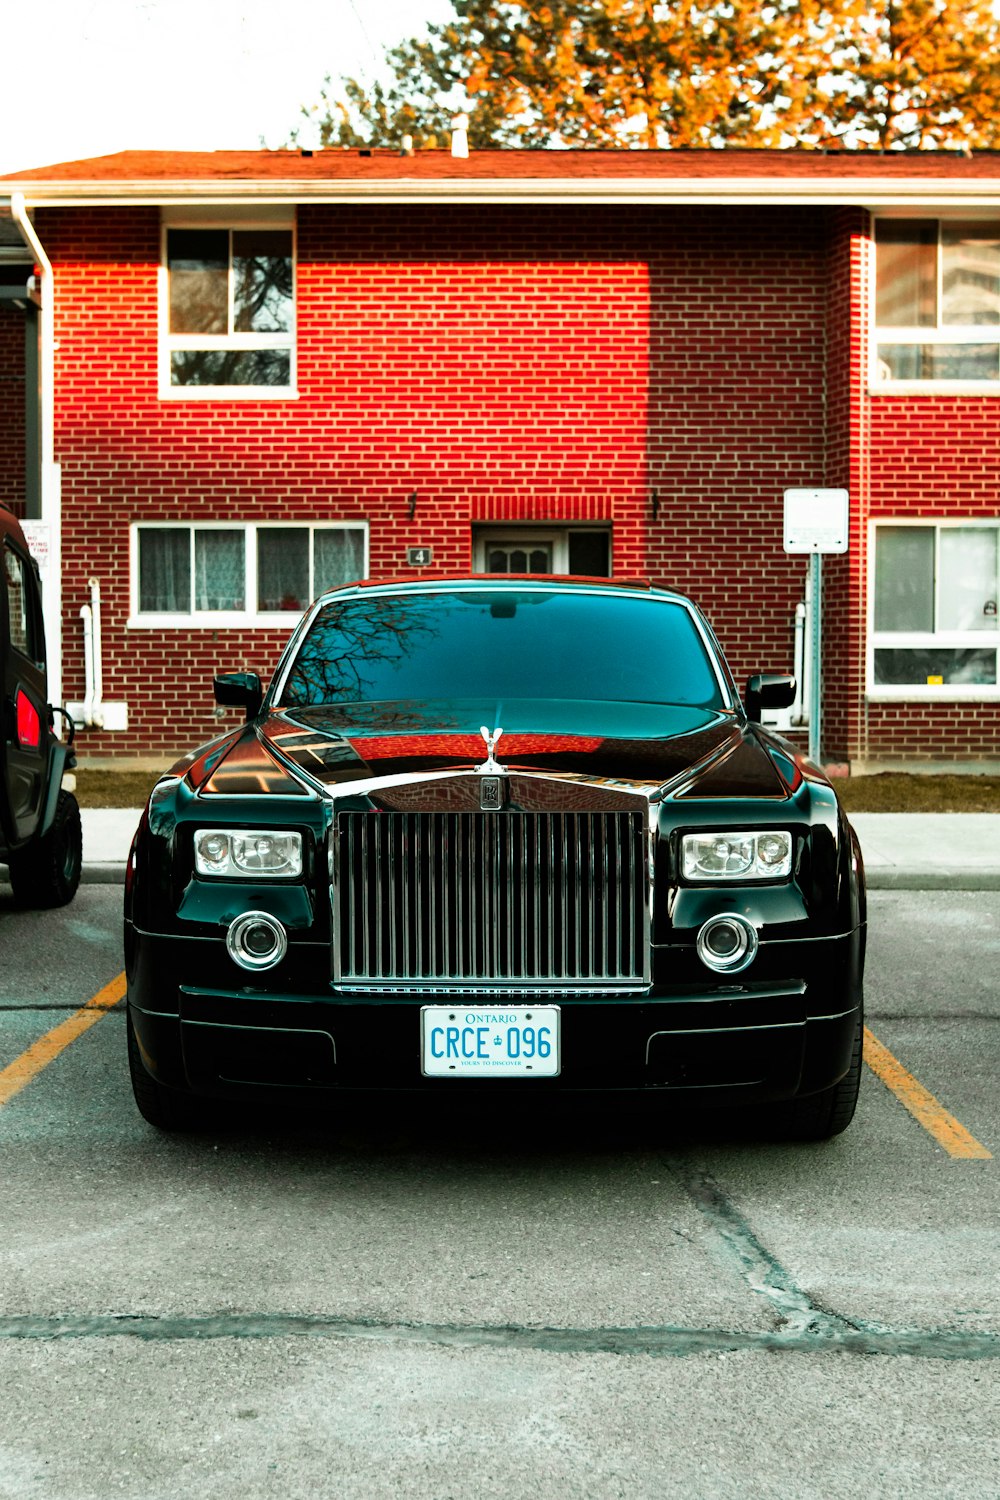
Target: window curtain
[[338, 557], [967, 590], [282, 567], [219, 570], [165, 571]]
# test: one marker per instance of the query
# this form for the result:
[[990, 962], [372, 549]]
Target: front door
[[24, 736], [575, 549]]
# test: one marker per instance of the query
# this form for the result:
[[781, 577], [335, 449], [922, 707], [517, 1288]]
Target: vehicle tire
[[47, 872], [167, 1109], [819, 1117]]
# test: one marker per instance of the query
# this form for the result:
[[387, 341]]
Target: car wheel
[[167, 1109], [819, 1117], [47, 872]]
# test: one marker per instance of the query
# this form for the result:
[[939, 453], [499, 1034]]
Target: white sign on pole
[[816, 520]]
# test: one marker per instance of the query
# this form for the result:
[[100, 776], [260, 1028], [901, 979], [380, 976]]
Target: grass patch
[[900, 792], [114, 788], [890, 791]]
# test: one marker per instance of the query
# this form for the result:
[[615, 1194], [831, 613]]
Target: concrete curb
[[930, 851], [932, 880], [103, 874]]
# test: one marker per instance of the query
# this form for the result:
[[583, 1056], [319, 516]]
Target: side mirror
[[768, 690], [239, 690]]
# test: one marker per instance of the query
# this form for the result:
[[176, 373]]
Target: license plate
[[501, 1043]]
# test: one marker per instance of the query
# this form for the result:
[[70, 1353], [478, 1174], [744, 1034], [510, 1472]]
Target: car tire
[[819, 1117], [165, 1108], [47, 872]]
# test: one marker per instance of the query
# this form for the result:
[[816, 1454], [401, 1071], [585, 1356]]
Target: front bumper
[[787, 1032]]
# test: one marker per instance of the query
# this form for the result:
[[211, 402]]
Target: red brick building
[[230, 379]]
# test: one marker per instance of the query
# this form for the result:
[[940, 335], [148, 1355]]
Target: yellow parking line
[[930, 1112], [23, 1069]]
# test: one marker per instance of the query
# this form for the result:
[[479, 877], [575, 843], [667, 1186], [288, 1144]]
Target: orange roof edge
[[386, 164]]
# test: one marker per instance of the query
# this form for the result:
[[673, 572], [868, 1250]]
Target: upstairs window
[[230, 309], [937, 300], [935, 622]]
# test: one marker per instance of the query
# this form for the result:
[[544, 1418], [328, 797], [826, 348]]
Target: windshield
[[531, 643]]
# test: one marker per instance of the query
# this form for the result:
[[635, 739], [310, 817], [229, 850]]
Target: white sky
[[199, 75]]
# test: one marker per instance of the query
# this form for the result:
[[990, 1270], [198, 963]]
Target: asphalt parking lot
[[401, 1302]]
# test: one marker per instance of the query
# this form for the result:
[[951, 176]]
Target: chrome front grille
[[491, 899]]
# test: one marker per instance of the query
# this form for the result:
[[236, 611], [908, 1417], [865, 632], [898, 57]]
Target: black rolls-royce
[[503, 834]]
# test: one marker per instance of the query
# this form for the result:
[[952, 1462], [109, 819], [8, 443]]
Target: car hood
[[685, 750]]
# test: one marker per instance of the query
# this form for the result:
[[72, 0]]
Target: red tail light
[[29, 725]]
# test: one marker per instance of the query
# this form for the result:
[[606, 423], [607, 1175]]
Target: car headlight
[[247, 851], [766, 855]]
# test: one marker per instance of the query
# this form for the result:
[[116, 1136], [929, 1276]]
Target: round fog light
[[727, 943], [256, 940]]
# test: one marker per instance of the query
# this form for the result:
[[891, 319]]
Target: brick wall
[[506, 364], [737, 315], [12, 409], [495, 366], [936, 457]]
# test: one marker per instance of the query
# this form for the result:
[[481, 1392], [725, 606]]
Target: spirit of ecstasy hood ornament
[[490, 767]]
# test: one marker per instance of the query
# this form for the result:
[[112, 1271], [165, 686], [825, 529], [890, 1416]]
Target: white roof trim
[[867, 192]]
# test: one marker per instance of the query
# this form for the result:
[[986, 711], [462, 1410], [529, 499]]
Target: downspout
[[92, 708], [51, 496], [87, 616], [799, 666], [97, 669]]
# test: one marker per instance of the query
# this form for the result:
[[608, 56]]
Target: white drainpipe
[[799, 666], [93, 698], [97, 706], [51, 498], [87, 616]]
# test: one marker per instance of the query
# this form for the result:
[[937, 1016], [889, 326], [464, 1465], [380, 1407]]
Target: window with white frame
[[937, 300], [934, 617], [229, 309], [218, 573]]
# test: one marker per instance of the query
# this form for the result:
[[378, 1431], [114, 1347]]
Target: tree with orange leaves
[[625, 73], [896, 74]]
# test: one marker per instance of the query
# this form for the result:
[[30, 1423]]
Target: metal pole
[[815, 684]]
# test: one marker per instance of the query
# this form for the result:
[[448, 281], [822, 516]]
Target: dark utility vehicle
[[40, 838]]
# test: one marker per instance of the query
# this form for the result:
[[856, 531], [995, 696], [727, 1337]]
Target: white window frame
[[228, 619], [169, 342], [949, 639], [974, 333]]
